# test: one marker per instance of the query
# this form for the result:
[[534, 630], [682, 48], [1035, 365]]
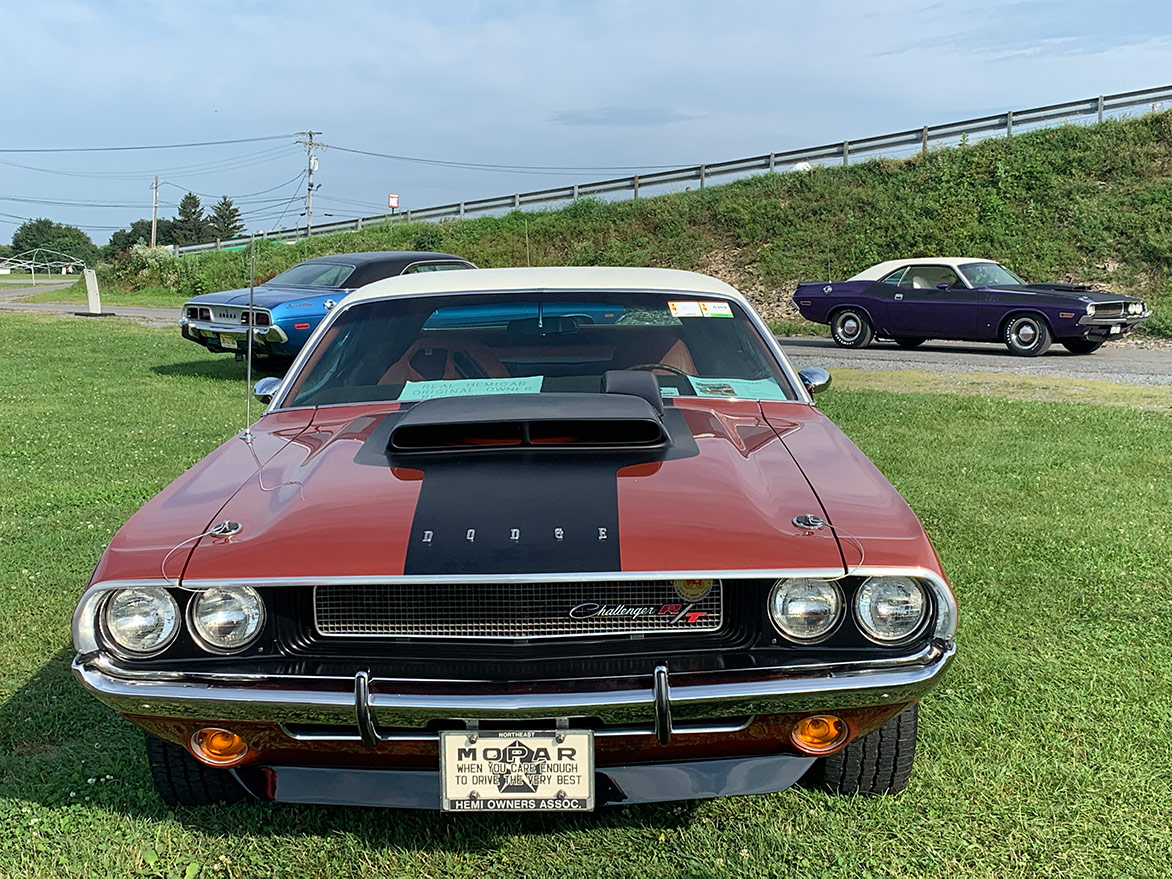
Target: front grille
[[519, 610], [1110, 310]]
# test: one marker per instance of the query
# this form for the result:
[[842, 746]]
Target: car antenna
[[248, 357]]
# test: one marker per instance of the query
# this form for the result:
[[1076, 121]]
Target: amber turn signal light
[[218, 747], [819, 734]]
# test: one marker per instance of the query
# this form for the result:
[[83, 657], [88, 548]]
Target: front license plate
[[227, 342], [1114, 329], [517, 771]]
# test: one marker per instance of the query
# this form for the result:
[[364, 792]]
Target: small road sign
[[393, 200]]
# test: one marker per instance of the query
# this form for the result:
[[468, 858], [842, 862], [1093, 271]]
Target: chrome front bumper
[[657, 698]]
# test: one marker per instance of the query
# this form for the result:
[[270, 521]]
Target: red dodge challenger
[[480, 554]]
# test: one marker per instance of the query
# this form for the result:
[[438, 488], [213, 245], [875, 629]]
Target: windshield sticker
[[471, 387], [716, 309], [669, 392], [749, 389], [685, 309]]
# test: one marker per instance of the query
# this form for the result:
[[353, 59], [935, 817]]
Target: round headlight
[[805, 609], [890, 609], [227, 618], [1090, 309], [142, 620]]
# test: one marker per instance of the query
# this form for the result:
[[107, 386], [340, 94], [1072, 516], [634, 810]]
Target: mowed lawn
[[1046, 752]]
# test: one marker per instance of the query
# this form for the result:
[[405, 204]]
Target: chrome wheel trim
[[849, 326]]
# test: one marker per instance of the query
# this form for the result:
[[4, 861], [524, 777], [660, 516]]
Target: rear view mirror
[[549, 326]]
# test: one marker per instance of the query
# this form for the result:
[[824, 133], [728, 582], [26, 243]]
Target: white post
[[91, 289]]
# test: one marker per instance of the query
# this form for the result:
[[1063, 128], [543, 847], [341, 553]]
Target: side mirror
[[815, 378], [265, 388]]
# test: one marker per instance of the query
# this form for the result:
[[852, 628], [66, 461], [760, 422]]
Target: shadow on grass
[[223, 369], [62, 749]]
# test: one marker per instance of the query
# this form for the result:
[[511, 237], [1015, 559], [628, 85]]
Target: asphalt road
[[1125, 362], [10, 300]]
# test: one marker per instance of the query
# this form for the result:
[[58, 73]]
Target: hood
[[1063, 292], [270, 296], [335, 503]]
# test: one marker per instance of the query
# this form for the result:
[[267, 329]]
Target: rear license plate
[[227, 341], [517, 771]]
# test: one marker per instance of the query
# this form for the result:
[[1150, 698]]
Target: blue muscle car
[[912, 300], [289, 307]]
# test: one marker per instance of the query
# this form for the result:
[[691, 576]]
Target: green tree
[[224, 220], [47, 235], [191, 226], [139, 232]]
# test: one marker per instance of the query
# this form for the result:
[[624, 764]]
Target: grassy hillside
[[1079, 203]]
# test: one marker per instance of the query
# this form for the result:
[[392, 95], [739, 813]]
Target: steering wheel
[[664, 366]]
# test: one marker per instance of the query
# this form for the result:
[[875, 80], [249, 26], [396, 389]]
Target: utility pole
[[309, 145], [155, 211]]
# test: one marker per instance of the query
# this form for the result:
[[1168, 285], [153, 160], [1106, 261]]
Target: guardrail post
[[703, 175], [1009, 124], [217, 244], [575, 192], [461, 210], [772, 162], [517, 201], [635, 184], [1100, 108], [358, 228], [408, 216], [846, 152], [924, 142]]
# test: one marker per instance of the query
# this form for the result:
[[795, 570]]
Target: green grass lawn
[[1044, 753]]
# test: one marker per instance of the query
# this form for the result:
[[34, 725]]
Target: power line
[[212, 167], [163, 146], [236, 197]]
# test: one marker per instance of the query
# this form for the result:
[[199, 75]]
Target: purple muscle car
[[912, 300]]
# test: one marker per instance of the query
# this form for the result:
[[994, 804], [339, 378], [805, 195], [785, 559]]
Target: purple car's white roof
[[881, 270]]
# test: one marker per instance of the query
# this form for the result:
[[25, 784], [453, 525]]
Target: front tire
[[1027, 335], [877, 764], [851, 328], [181, 780], [1082, 346]]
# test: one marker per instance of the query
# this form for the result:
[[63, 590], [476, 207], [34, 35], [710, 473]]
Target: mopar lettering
[[514, 753]]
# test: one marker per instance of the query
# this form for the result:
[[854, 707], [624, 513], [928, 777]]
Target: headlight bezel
[[119, 647], [839, 616], [201, 639], [927, 607]]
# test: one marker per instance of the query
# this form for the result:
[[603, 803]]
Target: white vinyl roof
[[557, 278], [882, 270]]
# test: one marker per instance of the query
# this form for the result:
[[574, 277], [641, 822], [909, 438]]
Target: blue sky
[[599, 84]]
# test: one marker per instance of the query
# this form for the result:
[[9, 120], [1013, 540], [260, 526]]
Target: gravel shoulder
[[1139, 362]]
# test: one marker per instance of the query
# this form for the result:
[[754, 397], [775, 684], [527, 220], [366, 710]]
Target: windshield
[[315, 274], [989, 274], [417, 348]]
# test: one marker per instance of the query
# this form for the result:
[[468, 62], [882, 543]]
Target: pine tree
[[224, 221], [191, 226]]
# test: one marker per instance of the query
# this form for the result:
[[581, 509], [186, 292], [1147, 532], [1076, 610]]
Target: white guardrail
[[898, 143]]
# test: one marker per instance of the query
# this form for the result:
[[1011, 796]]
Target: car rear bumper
[[220, 337], [657, 699]]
